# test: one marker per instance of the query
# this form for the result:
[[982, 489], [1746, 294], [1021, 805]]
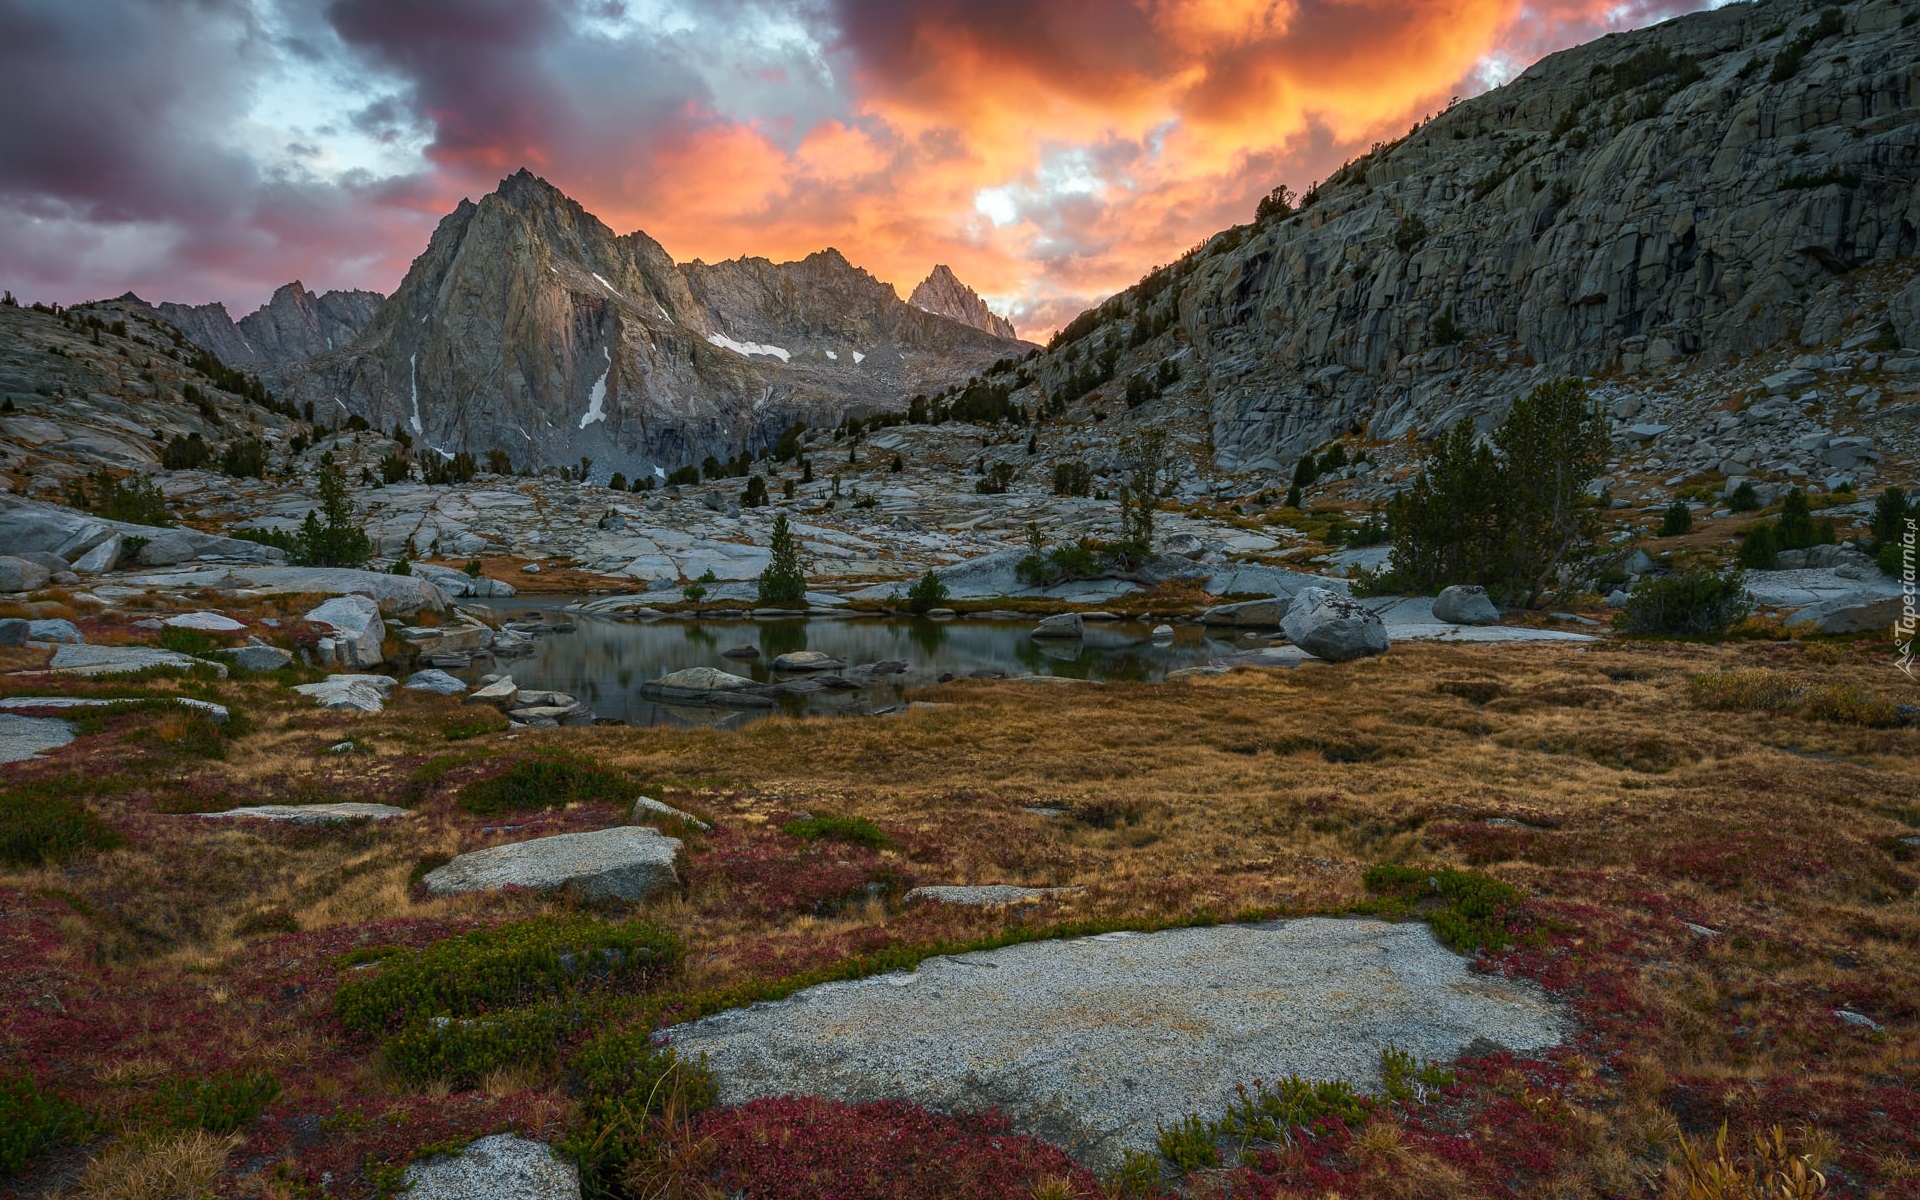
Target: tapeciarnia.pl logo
[[1904, 628]]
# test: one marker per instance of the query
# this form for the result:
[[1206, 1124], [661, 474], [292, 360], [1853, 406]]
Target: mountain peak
[[942, 292]]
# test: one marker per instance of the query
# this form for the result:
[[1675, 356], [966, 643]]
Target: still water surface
[[604, 661]]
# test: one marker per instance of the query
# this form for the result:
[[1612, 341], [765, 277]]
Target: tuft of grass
[[633, 1096], [156, 1166], [471, 725], [37, 828], [474, 974], [1773, 1171], [545, 783], [857, 830], [1845, 704], [1743, 689], [1467, 910], [32, 1122]]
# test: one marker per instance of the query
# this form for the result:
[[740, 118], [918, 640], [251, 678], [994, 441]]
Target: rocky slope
[[292, 327], [1682, 195], [528, 326], [942, 292]]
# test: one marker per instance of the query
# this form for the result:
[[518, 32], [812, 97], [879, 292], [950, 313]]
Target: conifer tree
[[783, 583]]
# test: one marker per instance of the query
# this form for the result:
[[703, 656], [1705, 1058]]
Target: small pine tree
[[619, 482], [1678, 519], [330, 538], [1759, 551], [1795, 530], [783, 583], [1743, 498], [926, 594], [755, 496]]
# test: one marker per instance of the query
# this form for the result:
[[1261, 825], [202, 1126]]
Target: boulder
[[1162, 633], [1848, 614], [355, 693], [1186, 545], [55, 629], [54, 564], [101, 559], [1090, 1043], [258, 658], [504, 1166], [313, 814], [459, 583], [1465, 604], [501, 693], [807, 660], [14, 631], [167, 548], [1249, 614], [357, 632], [631, 862], [435, 681], [113, 660], [707, 685], [1333, 627], [207, 622], [1060, 625], [19, 575], [741, 652], [647, 806]]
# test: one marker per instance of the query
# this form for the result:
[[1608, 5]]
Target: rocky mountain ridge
[[529, 327], [1690, 193], [942, 292], [291, 327]]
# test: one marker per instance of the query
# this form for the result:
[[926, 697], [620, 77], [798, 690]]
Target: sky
[[1049, 151]]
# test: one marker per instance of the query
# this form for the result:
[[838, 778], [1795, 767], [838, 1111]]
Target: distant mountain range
[[529, 326]]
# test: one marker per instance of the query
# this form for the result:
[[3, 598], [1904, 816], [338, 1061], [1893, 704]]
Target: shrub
[[1743, 498], [1677, 520], [439, 468], [926, 594], [463, 1051], [245, 458], [1893, 560], [1787, 63], [1189, 1144], [1795, 529], [996, 481], [1743, 690], [1845, 704], [490, 970], [857, 830], [465, 726], [1695, 603], [536, 783], [755, 495], [133, 500], [1410, 233], [185, 452], [1478, 911], [783, 582], [1072, 479], [631, 1093], [1405, 1079], [1270, 1112], [1277, 203], [37, 828], [1758, 550], [224, 1103], [32, 1122]]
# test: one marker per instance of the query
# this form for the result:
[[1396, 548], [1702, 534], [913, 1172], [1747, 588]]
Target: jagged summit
[[942, 292]]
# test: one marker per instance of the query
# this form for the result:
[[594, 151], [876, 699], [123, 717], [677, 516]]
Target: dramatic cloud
[[1049, 150]]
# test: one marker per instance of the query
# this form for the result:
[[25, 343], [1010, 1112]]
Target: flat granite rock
[[217, 713], [1092, 1042], [314, 814], [987, 895], [630, 862], [359, 693], [23, 737], [502, 1167], [109, 660]]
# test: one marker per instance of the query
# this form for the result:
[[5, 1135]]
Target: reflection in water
[[604, 662]]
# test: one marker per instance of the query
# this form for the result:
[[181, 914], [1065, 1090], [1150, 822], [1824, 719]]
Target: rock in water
[[357, 632], [1465, 604], [1333, 627], [1060, 625], [502, 1167], [628, 863], [807, 660], [1089, 1042]]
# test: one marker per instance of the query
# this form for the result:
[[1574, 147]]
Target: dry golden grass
[[155, 1167]]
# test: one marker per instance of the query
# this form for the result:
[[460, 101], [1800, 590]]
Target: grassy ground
[[1715, 845]]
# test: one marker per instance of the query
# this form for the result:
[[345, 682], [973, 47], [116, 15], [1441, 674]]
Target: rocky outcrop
[[1653, 196], [293, 326], [529, 327], [943, 293]]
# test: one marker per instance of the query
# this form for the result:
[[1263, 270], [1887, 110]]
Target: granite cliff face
[[528, 326], [1695, 190], [292, 327], [942, 292]]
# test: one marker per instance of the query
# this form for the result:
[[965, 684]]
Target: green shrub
[[1795, 529], [1743, 690], [857, 830], [1189, 1144], [37, 828], [1677, 520], [1477, 911], [245, 458], [195, 642], [629, 1089], [223, 1103], [1758, 550], [1743, 498], [511, 966], [1845, 704], [462, 1051], [926, 594], [1893, 560], [1271, 1111], [467, 726], [32, 1122], [542, 782], [1695, 603], [1787, 62], [1410, 233], [133, 500], [1406, 1080], [185, 452]]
